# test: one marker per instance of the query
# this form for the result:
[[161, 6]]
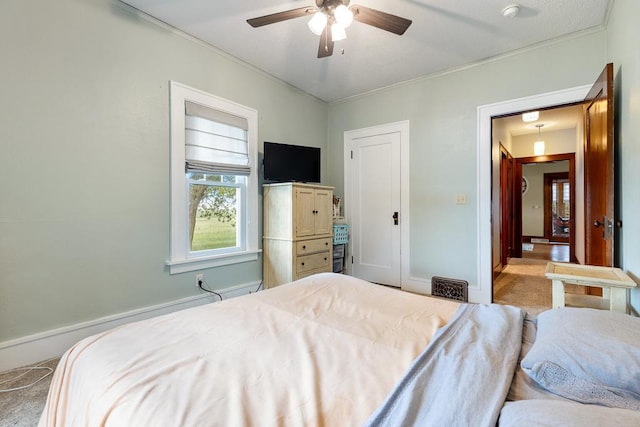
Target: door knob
[[597, 223]]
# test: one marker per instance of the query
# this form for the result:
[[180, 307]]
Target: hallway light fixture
[[538, 146], [531, 116]]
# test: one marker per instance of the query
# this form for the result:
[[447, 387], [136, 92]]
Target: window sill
[[193, 264]]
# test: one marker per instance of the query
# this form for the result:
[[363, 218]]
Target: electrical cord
[[202, 283], [258, 288], [27, 370]]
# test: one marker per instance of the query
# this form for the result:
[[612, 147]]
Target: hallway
[[547, 251], [523, 283]]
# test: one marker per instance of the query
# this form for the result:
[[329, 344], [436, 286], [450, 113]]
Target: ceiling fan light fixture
[[337, 32], [317, 23], [335, 16], [343, 16]]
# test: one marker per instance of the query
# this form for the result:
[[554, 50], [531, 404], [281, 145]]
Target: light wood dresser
[[298, 231]]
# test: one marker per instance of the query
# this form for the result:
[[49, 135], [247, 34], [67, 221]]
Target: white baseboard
[[417, 285], [539, 240], [45, 345]]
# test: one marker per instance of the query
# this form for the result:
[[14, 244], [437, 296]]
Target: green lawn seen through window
[[211, 233]]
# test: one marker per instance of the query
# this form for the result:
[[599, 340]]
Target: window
[[214, 181], [214, 212]]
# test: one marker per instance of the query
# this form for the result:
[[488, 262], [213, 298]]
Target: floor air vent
[[449, 288]]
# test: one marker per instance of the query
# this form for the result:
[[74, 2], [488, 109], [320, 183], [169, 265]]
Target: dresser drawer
[[313, 262], [312, 246]]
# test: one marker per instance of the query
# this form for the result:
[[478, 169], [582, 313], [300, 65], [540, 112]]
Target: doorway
[[597, 147], [377, 203], [545, 211], [488, 167], [542, 226], [558, 212]]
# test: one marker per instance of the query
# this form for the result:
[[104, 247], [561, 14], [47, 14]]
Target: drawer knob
[[303, 263], [304, 247]]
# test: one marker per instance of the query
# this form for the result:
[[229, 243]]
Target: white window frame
[[181, 258]]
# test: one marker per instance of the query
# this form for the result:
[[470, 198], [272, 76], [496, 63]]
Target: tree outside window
[[213, 211]]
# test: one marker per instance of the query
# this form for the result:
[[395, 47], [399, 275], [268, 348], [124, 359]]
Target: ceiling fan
[[331, 17]]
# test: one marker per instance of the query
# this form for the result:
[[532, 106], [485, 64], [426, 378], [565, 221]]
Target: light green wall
[[84, 157], [442, 111], [623, 33]]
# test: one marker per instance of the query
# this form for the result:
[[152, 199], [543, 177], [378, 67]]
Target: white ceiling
[[568, 117], [445, 34]]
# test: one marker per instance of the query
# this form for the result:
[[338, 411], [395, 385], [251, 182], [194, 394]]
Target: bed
[[333, 350]]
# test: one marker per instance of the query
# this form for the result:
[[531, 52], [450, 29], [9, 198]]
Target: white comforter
[[325, 350]]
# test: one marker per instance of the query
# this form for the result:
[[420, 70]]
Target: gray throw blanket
[[463, 376]]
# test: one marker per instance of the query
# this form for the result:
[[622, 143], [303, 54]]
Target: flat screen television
[[285, 162]]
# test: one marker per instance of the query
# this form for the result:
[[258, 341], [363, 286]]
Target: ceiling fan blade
[[384, 21], [281, 16], [326, 43]]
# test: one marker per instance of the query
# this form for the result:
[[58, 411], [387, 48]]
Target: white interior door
[[372, 174]]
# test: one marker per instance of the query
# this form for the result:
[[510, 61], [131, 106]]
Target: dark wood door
[[599, 171], [506, 206]]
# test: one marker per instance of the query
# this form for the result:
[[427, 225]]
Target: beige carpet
[[22, 407], [523, 284]]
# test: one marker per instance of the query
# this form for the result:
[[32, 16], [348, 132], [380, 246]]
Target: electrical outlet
[[199, 279]]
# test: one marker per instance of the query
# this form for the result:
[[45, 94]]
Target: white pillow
[[582, 353], [539, 413]]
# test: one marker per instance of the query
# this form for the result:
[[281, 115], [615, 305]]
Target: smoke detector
[[511, 11]]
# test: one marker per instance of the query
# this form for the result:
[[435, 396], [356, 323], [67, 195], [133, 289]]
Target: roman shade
[[215, 141]]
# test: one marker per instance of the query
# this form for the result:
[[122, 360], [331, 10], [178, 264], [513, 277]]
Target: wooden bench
[[614, 282]]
